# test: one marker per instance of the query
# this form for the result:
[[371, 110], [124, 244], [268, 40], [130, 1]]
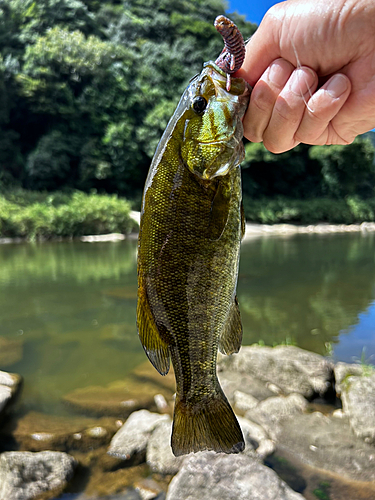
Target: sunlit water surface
[[70, 307]]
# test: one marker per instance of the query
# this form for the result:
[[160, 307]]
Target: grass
[[34, 215]]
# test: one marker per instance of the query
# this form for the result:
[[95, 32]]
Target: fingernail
[[337, 86], [301, 81], [277, 75]]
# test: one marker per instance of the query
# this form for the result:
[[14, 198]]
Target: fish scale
[[188, 253]]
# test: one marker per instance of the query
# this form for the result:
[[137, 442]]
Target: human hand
[[312, 66]]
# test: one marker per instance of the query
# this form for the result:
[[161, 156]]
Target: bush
[[59, 214], [309, 211]]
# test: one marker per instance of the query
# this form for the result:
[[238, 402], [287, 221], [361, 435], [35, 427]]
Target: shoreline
[[253, 230]]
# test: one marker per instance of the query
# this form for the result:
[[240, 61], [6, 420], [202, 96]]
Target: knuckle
[[273, 146], [286, 113], [262, 97]]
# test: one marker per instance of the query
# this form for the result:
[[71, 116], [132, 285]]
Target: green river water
[[68, 308]]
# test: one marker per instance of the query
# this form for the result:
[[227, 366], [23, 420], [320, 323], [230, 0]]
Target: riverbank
[[30, 215], [43, 216], [117, 441], [256, 230]]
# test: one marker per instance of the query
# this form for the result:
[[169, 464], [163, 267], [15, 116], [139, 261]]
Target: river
[[67, 309]]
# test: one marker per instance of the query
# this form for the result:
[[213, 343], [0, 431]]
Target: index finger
[[262, 48]]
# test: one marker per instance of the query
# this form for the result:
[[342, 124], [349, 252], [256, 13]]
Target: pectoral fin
[[156, 349], [243, 221], [231, 336], [219, 211]]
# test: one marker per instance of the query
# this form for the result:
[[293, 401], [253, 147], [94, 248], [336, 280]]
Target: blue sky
[[254, 11]]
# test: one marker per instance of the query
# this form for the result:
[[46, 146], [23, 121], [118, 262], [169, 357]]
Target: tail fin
[[209, 425]]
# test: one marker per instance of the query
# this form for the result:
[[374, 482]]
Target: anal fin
[[231, 336], [156, 349]]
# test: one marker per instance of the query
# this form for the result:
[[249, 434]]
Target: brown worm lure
[[233, 54]]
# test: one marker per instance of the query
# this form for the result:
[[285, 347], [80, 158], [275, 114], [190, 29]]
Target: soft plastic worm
[[232, 56]]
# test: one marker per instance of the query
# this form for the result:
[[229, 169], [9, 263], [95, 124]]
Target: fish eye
[[199, 104]]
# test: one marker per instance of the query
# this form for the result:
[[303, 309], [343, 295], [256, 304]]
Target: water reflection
[[309, 290], [67, 310]]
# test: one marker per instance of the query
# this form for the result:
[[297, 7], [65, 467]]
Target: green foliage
[[87, 88], [347, 210], [58, 214], [93, 84], [322, 493], [346, 170]]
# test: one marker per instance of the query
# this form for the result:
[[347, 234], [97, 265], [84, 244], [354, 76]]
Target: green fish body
[[188, 253]]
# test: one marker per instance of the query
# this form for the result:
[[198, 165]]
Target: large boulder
[[358, 400], [209, 475], [27, 475], [288, 367], [326, 443], [233, 382]]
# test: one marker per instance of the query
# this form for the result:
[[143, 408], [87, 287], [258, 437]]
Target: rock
[[123, 397], [11, 351], [257, 442], [133, 436], [325, 442], [288, 367], [244, 402], [209, 475], [256, 438], [9, 387], [358, 400], [148, 489], [233, 381], [26, 475], [161, 403], [159, 454], [5, 396], [38, 431], [272, 411], [344, 370]]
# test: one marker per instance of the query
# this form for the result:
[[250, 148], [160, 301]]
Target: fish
[[191, 227]]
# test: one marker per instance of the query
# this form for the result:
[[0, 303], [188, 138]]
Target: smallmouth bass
[[188, 253]]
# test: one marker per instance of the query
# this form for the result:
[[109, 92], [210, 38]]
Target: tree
[[346, 170]]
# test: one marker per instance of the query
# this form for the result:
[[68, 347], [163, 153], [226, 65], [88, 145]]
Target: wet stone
[[123, 397], [38, 431], [26, 475]]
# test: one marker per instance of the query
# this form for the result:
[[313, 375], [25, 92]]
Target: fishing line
[[300, 66]]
